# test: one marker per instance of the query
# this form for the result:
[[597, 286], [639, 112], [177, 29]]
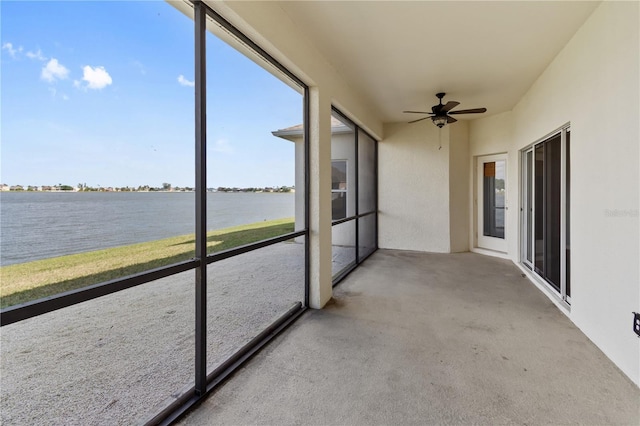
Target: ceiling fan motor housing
[[441, 114]]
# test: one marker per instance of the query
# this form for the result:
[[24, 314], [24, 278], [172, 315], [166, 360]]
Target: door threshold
[[488, 252]]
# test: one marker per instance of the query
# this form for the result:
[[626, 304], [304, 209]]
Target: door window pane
[[552, 211], [544, 193], [538, 209], [568, 204], [528, 208], [494, 193]]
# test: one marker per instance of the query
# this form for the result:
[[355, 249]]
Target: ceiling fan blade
[[451, 119], [449, 106], [469, 111], [419, 119], [417, 112]]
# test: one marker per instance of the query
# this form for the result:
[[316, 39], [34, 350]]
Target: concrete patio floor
[[416, 338]]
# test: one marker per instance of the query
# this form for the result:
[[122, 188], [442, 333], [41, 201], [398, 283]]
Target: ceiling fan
[[441, 114]]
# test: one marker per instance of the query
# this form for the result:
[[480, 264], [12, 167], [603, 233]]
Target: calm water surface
[[39, 225]]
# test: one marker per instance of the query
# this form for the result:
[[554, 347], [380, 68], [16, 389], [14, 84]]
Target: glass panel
[[366, 173], [343, 251], [528, 205], [494, 194], [552, 211], [366, 236], [247, 293], [568, 198], [97, 143], [539, 208], [343, 151], [255, 149], [117, 359]]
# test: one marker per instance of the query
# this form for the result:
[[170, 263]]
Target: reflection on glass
[[547, 210], [552, 211], [494, 193]]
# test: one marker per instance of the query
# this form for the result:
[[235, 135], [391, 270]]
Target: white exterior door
[[492, 202]]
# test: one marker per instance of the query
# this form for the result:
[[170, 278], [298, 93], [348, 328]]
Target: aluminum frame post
[[200, 16]]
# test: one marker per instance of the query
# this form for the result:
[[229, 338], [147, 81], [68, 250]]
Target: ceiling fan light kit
[[439, 121], [441, 114]]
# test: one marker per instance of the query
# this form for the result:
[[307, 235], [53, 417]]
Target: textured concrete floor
[[415, 338]]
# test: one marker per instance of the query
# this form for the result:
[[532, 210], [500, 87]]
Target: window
[[545, 211], [492, 202], [353, 195], [338, 189]]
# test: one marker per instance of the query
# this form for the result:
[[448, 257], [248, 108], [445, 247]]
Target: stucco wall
[[413, 179], [459, 173], [593, 84]]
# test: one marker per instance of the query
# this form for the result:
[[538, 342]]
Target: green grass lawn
[[33, 280]]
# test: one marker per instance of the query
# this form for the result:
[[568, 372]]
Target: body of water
[[39, 225]]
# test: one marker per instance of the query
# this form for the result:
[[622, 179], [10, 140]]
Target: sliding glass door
[[545, 211]]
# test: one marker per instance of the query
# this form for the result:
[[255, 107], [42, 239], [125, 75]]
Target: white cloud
[[184, 82], [223, 146], [36, 55], [96, 77], [12, 51], [54, 70]]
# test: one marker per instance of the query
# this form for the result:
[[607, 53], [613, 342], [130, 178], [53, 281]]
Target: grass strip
[[24, 282]]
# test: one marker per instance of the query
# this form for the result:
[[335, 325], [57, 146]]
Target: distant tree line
[[83, 187], [265, 189]]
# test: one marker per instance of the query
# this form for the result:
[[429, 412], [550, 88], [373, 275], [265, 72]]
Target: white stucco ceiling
[[399, 54]]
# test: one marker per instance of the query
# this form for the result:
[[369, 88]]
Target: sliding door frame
[[528, 217]]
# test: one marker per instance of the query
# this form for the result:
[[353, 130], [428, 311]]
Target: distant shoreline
[[24, 191]]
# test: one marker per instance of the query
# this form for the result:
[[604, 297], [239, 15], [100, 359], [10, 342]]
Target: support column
[[320, 286], [201, 198]]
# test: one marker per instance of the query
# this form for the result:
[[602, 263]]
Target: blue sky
[[102, 93]]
